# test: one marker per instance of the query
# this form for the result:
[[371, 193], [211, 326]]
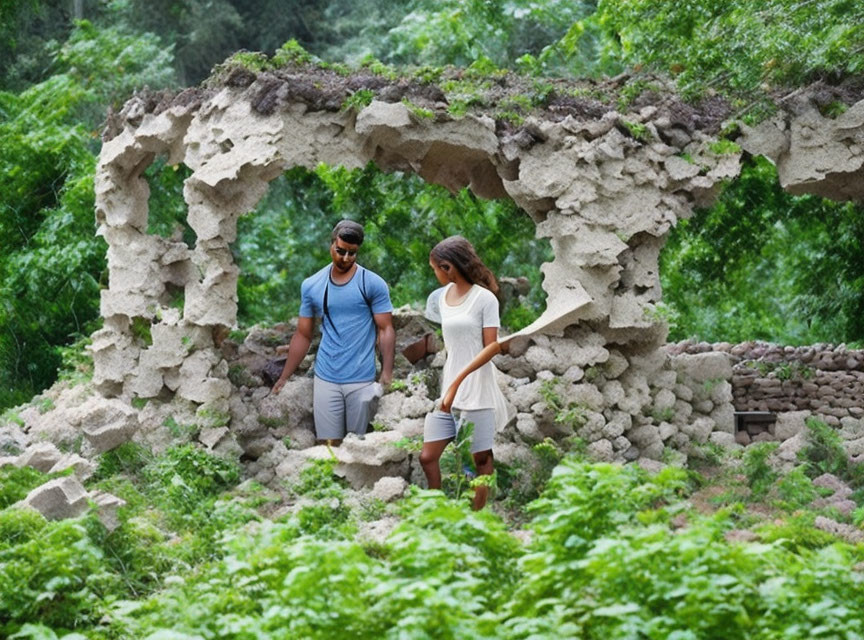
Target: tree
[[52, 262]]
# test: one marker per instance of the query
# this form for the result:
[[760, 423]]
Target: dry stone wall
[[825, 380]]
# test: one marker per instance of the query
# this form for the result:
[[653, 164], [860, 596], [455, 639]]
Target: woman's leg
[[481, 449], [429, 457], [483, 461]]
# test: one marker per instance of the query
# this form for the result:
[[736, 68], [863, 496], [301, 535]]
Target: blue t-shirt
[[347, 350]]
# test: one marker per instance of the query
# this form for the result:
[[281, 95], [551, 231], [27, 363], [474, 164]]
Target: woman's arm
[[490, 335], [491, 348]]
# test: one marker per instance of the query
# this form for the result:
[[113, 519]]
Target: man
[[354, 304]]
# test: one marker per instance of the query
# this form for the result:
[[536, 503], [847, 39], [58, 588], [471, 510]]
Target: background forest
[[759, 264]]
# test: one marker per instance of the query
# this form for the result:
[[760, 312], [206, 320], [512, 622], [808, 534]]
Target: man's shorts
[[445, 426], [343, 408]]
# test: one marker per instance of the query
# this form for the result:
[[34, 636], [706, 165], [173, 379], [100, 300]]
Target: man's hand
[[385, 381], [278, 386]]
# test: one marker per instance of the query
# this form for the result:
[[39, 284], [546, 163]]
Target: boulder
[[106, 423], [42, 456], [59, 499], [389, 488], [790, 423]]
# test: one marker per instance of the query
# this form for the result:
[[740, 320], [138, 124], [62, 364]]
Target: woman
[[468, 309]]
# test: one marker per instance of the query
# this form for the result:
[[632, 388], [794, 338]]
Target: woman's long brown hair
[[461, 254]]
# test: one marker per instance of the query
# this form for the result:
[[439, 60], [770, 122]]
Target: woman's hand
[[448, 398]]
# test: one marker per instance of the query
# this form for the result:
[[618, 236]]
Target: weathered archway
[[604, 188]]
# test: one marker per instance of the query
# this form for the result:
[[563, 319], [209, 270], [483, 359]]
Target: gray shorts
[[445, 426], [343, 408]]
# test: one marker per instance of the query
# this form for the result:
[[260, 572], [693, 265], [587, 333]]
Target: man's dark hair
[[348, 231]]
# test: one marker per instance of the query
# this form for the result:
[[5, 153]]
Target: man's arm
[[387, 342], [297, 350]]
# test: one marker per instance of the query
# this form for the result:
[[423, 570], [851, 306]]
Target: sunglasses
[[345, 252]]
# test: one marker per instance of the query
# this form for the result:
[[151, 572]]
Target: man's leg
[[328, 409], [361, 403]]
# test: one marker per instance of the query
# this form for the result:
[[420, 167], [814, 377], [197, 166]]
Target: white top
[[462, 326]]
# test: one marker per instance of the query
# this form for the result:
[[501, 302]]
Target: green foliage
[[724, 147], [782, 370], [128, 459], [420, 112], [358, 100], [797, 533], [824, 451], [522, 482], [463, 32], [49, 297], [110, 63], [16, 483], [457, 463], [571, 414], [738, 47], [49, 572], [318, 481], [760, 474], [398, 385], [440, 570], [188, 478], [637, 131], [76, 360], [795, 489], [729, 272]]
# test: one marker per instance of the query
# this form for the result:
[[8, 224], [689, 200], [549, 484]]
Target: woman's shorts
[[445, 426]]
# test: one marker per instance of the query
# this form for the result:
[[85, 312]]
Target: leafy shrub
[[760, 475], [17, 482], [797, 533], [318, 481], [446, 566], [650, 583], [795, 489], [824, 451], [441, 569], [582, 502], [328, 516], [189, 478], [457, 463], [51, 573], [268, 584], [128, 458], [523, 482]]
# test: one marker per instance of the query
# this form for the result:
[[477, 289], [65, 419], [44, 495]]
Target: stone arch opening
[[404, 216]]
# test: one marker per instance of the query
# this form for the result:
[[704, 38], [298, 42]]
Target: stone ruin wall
[[605, 199], [823, 379]]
